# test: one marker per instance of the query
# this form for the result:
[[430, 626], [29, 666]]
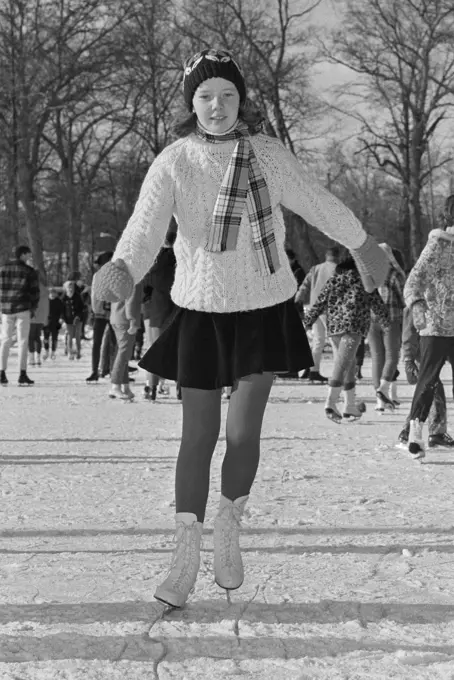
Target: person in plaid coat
[[19, 297], [385, 343]]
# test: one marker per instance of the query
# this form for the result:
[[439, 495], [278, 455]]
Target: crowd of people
[[223, 306], [37, 316]]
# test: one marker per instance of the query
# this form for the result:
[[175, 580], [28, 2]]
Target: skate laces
[[184, 556]]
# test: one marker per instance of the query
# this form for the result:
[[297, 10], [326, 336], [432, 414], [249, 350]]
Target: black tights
[[201, 426]]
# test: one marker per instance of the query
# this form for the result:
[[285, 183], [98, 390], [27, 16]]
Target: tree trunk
[[74, 240], [74, 223], [404, 227], [414, 209], [31, 219]]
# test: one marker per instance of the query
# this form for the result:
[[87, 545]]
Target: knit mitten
[[372, 262], [113, 282]]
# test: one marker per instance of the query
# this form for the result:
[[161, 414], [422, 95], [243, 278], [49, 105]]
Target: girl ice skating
[[236, 323]]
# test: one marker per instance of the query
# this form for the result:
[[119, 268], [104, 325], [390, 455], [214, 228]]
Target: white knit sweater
[[184, 180]]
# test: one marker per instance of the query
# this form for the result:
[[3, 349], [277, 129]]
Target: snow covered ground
[[348, 543]]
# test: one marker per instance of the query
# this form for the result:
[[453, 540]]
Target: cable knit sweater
[[184, 181]]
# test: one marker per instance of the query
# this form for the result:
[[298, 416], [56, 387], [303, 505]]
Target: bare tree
[[50, 50], [153, 62], [403, 55]]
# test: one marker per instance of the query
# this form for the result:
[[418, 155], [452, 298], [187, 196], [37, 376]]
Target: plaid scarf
[[243, 185]]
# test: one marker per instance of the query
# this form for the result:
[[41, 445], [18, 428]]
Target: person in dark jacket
[[73, 308], [157, 307], [347, 307], [53, 325], [19, 297], [298, 271], [84, 291]]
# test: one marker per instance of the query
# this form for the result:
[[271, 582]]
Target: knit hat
[[211, 64]]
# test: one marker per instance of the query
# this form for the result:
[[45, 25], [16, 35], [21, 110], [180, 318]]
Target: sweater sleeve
[[315, 204], [320, 305], [418, 277], [145, 232]]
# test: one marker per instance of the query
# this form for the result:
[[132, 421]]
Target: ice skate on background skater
[[208, 344]]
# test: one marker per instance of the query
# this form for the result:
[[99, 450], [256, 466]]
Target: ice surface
[[348, 543]]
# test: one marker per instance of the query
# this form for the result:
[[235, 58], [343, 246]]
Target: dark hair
[[74, 276], [104, 258], [346, 264], [21, 250], [248, 112], [447, 216], [334, 251]]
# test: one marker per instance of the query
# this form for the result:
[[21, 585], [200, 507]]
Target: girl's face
[[70, 289], [216, 103]]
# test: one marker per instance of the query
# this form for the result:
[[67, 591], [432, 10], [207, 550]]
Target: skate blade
[[168, 604], [230, 589], [350, 418], [331, 415]]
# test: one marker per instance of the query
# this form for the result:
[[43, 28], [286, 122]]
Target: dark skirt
[[209, 350]]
